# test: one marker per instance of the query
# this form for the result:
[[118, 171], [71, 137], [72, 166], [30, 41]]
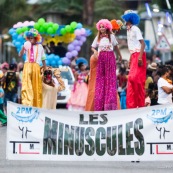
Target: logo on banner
[[160, 117], [21, 113]]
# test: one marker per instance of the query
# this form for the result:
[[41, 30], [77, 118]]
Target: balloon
[[79, 25], [41, 29], [67, 28], [82, 31], [77, 48], [47, 62], [26, 23], [57, 58], [17, 44], [50, 24], [60, 62], [31, 23], [45, 26], [19, 38], [63, 31], [11, 31], [19, 30], [74, 53], [27, 45], [55, 26], [36, 26], [77, 32], [53, 63], [65, 61], [68, 55], [70, 47], [41, 21], [50, 30], [75, 43], [73, 25], [83, 39]]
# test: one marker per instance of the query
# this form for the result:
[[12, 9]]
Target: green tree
[[12, 11]]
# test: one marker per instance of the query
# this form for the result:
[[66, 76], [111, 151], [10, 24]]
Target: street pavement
[[11, 166]]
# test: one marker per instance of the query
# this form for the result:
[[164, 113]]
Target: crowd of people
[[110, 84]]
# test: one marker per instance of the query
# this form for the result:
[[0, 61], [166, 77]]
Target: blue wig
[[132, 17]]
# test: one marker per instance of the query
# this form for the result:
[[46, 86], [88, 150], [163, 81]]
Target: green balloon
[[50, 24], [41, 29], [68, 28], [41, 21], [18, 30], [25, 28], [55, 26], [45, 26], [63, 31], [36, 26], [73, 25], [50, 30]]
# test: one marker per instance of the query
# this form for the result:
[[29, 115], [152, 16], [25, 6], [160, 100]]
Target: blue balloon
[[79, 26], [47, 62], [14, 35], [60, 62], [11, 31], [53, 63], [20, 38], [24, 57]]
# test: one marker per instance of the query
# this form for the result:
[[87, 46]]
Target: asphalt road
[[7, 166]]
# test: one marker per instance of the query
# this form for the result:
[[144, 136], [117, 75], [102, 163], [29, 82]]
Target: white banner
[[144, 134]]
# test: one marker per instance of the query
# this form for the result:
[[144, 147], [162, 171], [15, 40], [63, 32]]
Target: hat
[[152, 66], [105, 22], [116, 24], [33, 33], [131, 16]]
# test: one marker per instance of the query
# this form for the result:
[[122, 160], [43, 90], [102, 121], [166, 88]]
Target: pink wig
[[105, 22]]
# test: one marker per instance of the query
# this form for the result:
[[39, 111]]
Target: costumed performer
[[106, 85], [137, 74], [78, 98], [50, 89], [31, 79]]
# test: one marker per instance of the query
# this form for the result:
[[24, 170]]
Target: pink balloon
[[19, 24], [26, 23], [31, 23], [15, 26], [27, 45]]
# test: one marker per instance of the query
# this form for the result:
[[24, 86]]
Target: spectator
[[165, 89], [60, 50], [1, 92], [10, 85]]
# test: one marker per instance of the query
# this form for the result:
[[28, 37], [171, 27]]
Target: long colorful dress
[[79, 94], [31, 79], [105, 90]]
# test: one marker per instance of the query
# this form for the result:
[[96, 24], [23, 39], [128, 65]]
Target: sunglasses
[[30, 38], [47, 72]]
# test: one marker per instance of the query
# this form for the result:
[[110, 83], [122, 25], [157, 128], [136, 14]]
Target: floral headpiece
[[131, 16], [33, 33], [105, 22], [116, 24]]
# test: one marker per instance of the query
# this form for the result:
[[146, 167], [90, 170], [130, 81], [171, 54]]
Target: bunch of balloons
[[74, 33]]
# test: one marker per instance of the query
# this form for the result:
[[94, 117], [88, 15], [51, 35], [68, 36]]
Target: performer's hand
[[57, 73], [140, 62], [120, 59], [95, 54]]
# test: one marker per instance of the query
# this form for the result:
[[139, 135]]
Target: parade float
[[73, 35]]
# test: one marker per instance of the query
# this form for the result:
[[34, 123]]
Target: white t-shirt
[[41, 55], [105, 44], [163, 97], [133, 37]]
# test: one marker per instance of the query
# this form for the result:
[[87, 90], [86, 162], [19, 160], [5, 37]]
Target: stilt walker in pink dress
[[137, 75], [105, 89]]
